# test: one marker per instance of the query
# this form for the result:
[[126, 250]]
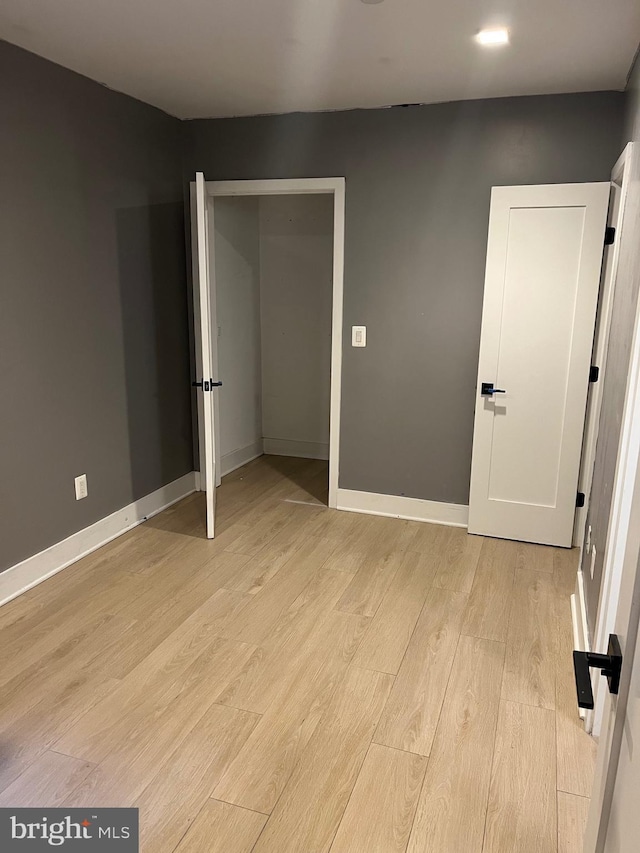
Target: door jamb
[[627, 543], [620, 175], [620, 510]]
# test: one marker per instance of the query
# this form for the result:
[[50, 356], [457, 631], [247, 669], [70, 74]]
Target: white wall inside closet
[[237, 272], [296, 260], [273, 267]]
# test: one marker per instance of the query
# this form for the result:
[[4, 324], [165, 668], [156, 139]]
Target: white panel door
[[541, 291], [204, 359], [614, 816]]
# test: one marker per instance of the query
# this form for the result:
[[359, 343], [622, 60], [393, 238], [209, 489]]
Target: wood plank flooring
[[310, 681]]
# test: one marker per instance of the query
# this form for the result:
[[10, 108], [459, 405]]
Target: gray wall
[[623, 320], [418, 188], [296, 273], [237, 268], [94, 369], [94, 363]]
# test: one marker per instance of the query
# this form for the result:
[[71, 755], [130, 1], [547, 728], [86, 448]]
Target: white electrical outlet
[[358, 336], [81, 487]]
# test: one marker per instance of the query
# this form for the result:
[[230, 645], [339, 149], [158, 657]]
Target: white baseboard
[[396, 506], [579, 622], [301, 449], [240, 457], [579, 616], [34, 570]]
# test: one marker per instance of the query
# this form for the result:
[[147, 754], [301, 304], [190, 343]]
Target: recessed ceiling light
[[500, 35], [371, 2]]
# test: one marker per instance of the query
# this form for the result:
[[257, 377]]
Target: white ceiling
[[201, 58]]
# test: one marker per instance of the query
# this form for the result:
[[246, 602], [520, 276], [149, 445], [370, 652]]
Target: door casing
[[295, 186], [620, 176], [619, 516], [624, 610]]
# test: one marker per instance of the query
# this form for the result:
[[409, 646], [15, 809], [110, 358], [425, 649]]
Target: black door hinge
[[580, 499], [206, 384], [594, 373], [609, 235]]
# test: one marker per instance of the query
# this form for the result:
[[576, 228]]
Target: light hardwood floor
[[311, 681]]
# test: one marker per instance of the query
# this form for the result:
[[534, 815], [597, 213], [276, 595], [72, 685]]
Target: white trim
[[237, 458], [582, 625], [277, 186], [620, 176], [336, 340], [39, 567], [579, 622], [575, 624], [314, 186], [618, 608], [398, 506], [196, 326], [619, 517], [301, 449]]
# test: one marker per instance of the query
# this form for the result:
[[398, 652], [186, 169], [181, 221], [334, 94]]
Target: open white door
[[599, 574], [542, 277], [620, 176], [204, 359], [614, 817]]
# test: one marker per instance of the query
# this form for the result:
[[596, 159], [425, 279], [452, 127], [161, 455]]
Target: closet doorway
[[268, 259]]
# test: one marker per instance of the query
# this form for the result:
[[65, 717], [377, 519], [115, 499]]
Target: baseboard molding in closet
[[301, 449], [238, 458]]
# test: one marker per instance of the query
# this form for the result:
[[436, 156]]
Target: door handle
[[487, 389], [206, 384], [610, 664]]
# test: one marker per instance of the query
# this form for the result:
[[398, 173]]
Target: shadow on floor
[[312, 475]]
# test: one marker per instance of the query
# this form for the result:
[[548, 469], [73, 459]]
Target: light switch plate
[[358, 336], [81, 487]]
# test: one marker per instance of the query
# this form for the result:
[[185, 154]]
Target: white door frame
[[628, 453], [622, 610], [302, 186], [620, 175]]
